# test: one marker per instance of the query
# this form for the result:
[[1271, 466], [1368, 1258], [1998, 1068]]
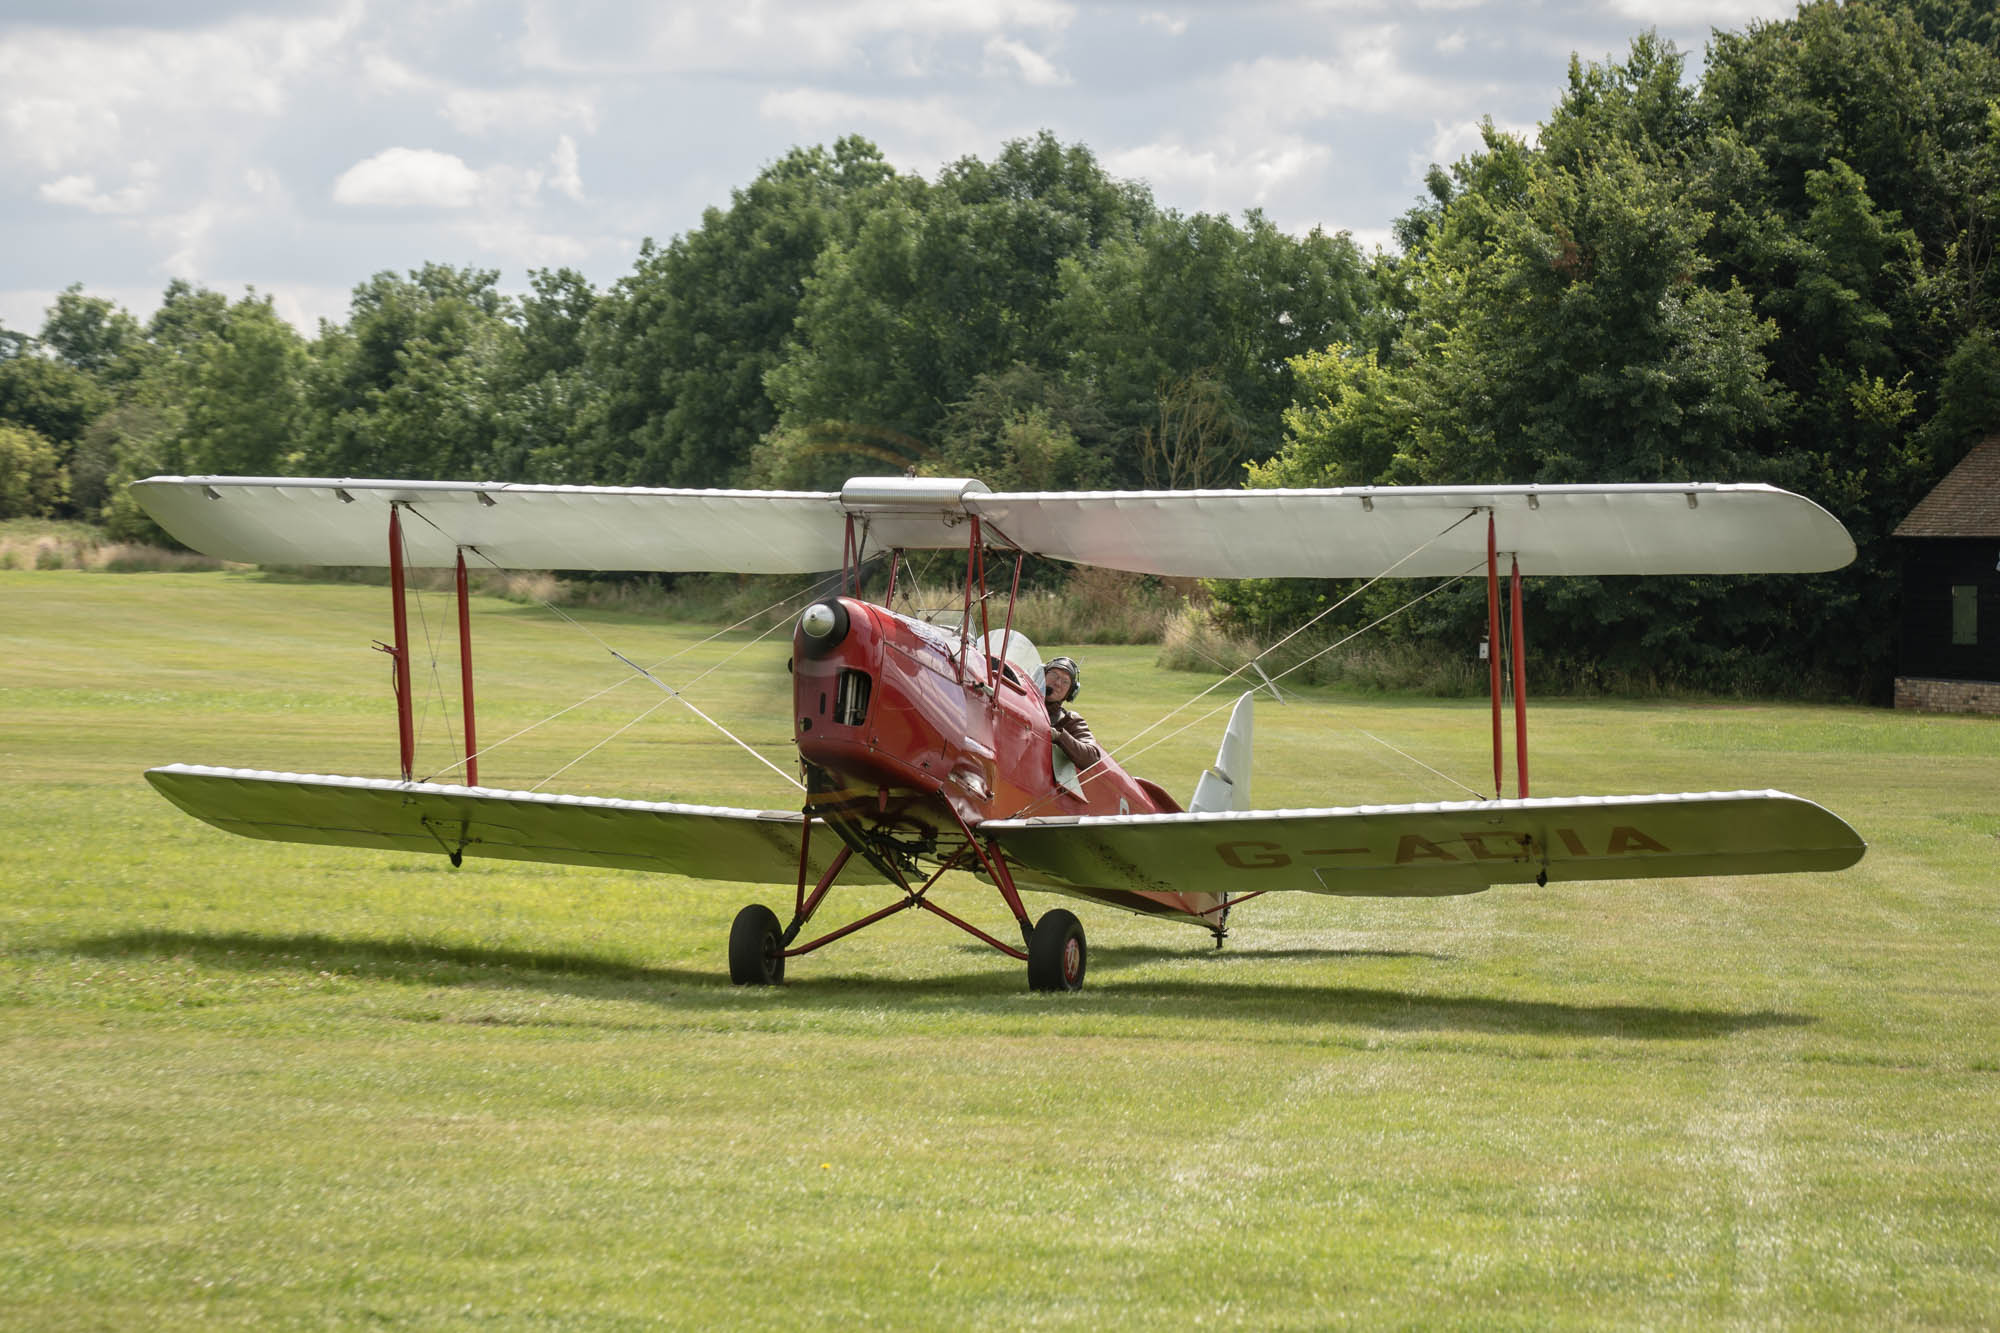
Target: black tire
[[756, 948], [1056, 953]]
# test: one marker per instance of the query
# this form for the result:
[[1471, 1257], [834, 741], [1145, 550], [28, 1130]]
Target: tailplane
[[1226, 785]]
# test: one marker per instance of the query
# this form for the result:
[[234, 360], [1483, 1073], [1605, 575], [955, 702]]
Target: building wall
[[1932, 567], [1948, 696]]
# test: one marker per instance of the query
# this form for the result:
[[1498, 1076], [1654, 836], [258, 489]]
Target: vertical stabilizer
[[1226, 785]]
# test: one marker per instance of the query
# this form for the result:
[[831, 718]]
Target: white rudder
[[1226, 785]]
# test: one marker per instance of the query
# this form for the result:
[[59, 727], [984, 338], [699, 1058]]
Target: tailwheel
[[1056, 952], [756, 947]]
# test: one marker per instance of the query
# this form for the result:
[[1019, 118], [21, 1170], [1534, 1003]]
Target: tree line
[[1779, 271]]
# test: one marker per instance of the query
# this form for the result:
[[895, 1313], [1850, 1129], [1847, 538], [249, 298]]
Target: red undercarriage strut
[[989, 857]]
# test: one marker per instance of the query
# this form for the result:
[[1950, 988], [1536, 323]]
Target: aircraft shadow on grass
[[1211, 997]]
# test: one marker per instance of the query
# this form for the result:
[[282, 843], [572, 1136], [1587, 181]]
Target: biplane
[[923, 743]]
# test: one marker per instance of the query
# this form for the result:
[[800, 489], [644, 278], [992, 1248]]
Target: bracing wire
[[1259, 656], [687, 703], [437, 681], [1127, 754], [423, 620], [601, 744], [647, 673], [1477, 795], [1341, 642]]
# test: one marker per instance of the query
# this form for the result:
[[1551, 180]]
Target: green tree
[[50, 397], [405, 387], [942, 284], [1022, 429], [243, 395], [32, 480], [1188, 328], [1765, 276], [546, 404], [680, 349], [95, 336]]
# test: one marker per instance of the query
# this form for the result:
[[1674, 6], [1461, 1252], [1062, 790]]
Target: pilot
[[1070, 732]]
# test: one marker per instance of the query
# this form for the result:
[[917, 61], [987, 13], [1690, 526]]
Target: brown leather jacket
[[1072, 735]]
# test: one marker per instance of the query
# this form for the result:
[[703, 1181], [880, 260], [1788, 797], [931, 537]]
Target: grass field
[[263, 1085]]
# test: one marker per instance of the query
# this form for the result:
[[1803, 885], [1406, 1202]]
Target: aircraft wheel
[[1056, 952], [756, 947]]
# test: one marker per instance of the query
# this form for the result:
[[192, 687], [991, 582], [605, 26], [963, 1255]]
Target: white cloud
[[50, 133], [498, 202], [477, 111], [517, 241], [1365, 74], [408, 178], [1006, 57], [262, 182], [188, 232], [1450, 142], [383, 72], [1220, 179], [1367, 239], [929, 121], [74, 97], [1666, 14], [1167, 23], [1451, 43], [480, 110], [767, 38], [565, 178], [303, 305], [81, 191]]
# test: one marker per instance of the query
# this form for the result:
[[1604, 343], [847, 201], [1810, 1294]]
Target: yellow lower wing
[[1428, 850], [701, 841]]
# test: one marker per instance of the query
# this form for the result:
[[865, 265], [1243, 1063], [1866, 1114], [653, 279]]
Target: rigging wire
[[423, 718], [444, 707], [1227, 703], [641, 672], [1477, 795], [601, 744], [1259, 656], [689, 704]]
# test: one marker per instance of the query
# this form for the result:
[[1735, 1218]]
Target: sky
[[298, 148]]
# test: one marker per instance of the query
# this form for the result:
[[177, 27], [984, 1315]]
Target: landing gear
[[1056, 953], [756, 947]]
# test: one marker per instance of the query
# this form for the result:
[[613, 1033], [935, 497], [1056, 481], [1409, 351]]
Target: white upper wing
[[1415, 531], [1359, 532], [275, 520]]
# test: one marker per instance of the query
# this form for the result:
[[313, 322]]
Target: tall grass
[[76, 546], [1100, 606], [1195, 640]]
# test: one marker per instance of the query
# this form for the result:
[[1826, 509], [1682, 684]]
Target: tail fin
[[1226, 786]]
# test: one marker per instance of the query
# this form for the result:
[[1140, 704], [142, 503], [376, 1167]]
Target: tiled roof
[[1966, 503]]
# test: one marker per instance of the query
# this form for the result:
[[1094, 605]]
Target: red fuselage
[[909, 734]]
